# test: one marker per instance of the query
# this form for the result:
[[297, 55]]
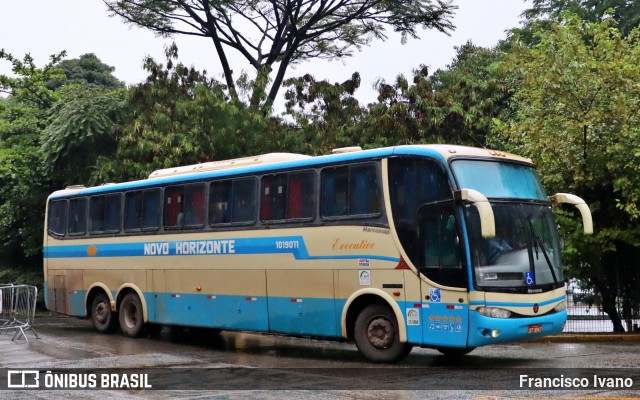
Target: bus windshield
[[525, 253], [499, 179]]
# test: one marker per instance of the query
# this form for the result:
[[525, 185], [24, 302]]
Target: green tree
[[178, 116], [471, 93], [86, 70], [543, 13], [327, 115], [23, 181], [80, 130], [578, 105], [273, 35]]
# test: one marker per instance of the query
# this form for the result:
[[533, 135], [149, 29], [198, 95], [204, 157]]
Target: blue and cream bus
[[438, 246]]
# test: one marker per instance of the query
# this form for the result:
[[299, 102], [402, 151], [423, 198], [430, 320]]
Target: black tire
[[103, 319], [455, 351], [377, 336], [130, 313]]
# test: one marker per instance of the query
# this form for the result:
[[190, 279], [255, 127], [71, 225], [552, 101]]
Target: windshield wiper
[[537, 242]]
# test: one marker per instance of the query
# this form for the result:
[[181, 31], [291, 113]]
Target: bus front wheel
[[131, 318], [377, 336], [103, 319]]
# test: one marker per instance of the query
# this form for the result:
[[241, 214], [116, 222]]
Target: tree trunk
[[608, 296]]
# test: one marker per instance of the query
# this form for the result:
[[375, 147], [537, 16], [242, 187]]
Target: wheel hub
[[380, 333], [102, 313]]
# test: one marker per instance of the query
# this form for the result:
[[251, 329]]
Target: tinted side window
[[439, 257], [274, 197], [220, 198], [151, 209], [112, 213], [104, 214], [184, 206], [232, 201], [335, 192], [301, 195], [364, 190], [133, 210], [78, 216], [142, 210], [57, 217], [413, 183], [194, 205], [244, 200], [350, 191]]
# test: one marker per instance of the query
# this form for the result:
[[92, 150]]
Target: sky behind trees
[[82, 26]]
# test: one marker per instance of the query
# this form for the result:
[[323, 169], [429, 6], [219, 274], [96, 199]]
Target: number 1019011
[[287, 244]]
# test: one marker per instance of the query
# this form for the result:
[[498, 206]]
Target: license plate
[[535, 328]]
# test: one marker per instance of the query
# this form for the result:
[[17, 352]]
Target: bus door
[[445, 300]]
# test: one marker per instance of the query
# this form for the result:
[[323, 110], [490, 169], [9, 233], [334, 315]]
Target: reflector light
[[402, 264]]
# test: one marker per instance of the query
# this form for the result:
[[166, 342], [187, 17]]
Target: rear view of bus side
[[438, 246]]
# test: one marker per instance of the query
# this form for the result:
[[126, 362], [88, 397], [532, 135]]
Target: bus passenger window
[[364, 190], [244, 200], [301, 198], [112, 211], [335, 189], [151, 209], [219, 207], [57, 217], [104, 214], [132, 210], [233, 201], [96, 214], [173, 217], [350, 191], [78, 216], [274, 197], [194, 205]]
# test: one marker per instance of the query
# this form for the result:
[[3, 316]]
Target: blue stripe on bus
[[294, 245]]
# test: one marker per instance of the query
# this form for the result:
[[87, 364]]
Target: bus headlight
[[494, 312], [560, 306]]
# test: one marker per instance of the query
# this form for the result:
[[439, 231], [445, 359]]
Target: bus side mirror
[[487, 220], [580, 204]]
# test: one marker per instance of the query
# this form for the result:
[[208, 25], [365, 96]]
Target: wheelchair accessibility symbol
[[434, 295], [529, 278]]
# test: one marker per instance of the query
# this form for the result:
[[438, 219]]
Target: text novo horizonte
[[191, 247]]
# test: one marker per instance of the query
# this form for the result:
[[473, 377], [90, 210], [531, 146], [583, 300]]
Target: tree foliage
[[327, 115], [179, 116], [85, 70], [273, 35], [81, 129], [23, 180], [578, 107]]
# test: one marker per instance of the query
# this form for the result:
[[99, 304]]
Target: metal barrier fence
[[17, 310], [584, 315]]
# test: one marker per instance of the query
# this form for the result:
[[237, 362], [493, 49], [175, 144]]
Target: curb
[[585, 338]]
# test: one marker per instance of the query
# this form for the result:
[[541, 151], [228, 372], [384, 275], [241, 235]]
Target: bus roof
[[280, 161]]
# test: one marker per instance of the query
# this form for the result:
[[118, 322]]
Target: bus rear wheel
[[377, 336], [103, 319], [130, 313]]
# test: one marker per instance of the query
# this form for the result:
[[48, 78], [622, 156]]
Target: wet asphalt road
[[244, 365]]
